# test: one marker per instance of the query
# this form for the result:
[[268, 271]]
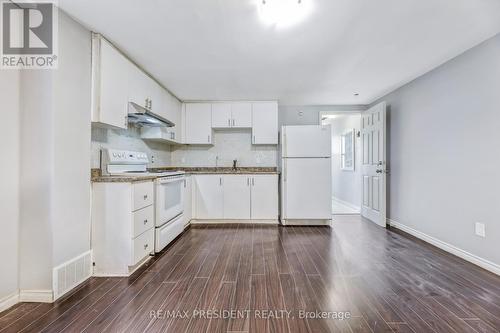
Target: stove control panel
[[115, 156]]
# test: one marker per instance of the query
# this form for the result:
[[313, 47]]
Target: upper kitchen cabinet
[[110, 77], [241, 115], [172, 111], [232, 115], [143, 90], [198, 123], [265, 123], [221, 115]]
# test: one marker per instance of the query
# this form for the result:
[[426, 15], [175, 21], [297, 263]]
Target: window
[[347, 151]]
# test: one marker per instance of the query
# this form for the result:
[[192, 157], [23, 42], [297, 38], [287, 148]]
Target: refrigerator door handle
[[284, 170], [284, 142]]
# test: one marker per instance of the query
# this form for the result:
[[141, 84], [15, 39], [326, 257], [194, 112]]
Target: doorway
[[346, 161]]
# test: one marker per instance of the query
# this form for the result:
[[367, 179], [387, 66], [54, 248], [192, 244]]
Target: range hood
[[142, 116]]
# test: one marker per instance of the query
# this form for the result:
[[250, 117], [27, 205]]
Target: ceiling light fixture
[[283, 13]]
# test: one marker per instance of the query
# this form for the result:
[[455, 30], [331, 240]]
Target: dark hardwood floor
[[377, 280]]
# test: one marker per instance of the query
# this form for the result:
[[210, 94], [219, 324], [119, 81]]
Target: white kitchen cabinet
[[209, 197], [236, 197], [231, 115], [188, 199], [110, 77], [221, 115], [174, 114], [265, 123], [264, 197], [140, 87], [198, 123], [241, 114], [122, 227]]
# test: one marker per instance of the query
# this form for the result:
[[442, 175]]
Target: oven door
[[169, 199]]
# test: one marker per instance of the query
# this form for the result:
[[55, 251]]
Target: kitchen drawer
[[168, 232], [142, 194], [142, 246], [143, 220]]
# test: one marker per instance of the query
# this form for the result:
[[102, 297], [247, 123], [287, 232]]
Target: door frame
[[323, 114]]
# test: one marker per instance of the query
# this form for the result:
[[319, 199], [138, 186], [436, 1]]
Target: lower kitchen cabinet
[[122, 226], [236, 197], [209, 197]]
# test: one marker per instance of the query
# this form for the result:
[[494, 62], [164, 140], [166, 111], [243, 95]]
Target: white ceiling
[[221, 50]]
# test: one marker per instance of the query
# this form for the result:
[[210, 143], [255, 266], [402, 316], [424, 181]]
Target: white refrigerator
[[306, 175]]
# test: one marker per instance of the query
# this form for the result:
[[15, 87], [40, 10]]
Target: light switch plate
[[480, 229]]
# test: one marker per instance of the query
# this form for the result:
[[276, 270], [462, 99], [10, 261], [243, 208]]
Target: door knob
[[379, 171]]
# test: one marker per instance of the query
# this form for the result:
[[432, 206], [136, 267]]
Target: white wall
[[346, 184], [444, 151], [9, 178], [36, 176], [309, 114], [71, 123], [55, 160]]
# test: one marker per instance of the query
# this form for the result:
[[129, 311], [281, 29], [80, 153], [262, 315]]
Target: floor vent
[[71, 273]]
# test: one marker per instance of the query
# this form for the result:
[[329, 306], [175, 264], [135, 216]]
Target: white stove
[[126, 163], [169, 190]]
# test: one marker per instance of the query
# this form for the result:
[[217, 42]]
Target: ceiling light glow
[[283, 13]]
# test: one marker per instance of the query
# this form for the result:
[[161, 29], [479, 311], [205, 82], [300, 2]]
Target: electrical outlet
[[480, 229]]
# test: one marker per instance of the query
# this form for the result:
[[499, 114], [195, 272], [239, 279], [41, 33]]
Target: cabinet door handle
[[146, 246], [253, 181], [145, 196], [233, 122], [229, 122], [220, 181], [145, 222]]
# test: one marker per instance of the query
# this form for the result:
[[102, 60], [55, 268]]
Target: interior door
[[374, 164], [236, 197]]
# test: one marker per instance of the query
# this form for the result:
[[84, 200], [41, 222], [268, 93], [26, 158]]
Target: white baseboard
[[9, 301], [234, 222], [306, 222], [472, 258], [42, 296], [347, 204]]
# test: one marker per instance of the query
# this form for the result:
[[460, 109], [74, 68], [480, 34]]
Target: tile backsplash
[[228, 146], [128, 140]]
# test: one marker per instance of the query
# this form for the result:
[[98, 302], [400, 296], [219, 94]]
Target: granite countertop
[[220, 170], [97, 177]]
